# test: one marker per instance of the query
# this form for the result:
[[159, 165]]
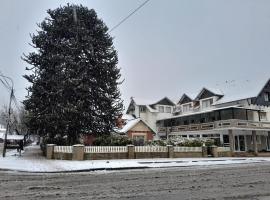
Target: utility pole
[[9, 113]]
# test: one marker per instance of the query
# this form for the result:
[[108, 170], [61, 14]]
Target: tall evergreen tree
[[74, 75]]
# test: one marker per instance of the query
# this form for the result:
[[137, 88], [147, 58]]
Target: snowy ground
[[32, 161]]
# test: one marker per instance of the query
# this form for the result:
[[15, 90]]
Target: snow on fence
[[222, 149], [105, 149], [151, 149], [63, 149], [187, 149]]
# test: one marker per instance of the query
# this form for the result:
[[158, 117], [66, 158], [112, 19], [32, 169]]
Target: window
[[266, 96], [161, 109], [263, 116], [142, 109], [240, 113], [187, 108], [207, 103], [226, 114], [168, 110]]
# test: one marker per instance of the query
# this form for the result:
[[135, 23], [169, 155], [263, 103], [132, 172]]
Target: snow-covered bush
[[179, 141], [156, 143], [112, 140]]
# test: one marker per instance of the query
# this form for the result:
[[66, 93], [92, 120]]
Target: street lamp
[[9, 111]]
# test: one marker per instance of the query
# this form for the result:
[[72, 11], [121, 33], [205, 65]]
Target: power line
[[133, 12]]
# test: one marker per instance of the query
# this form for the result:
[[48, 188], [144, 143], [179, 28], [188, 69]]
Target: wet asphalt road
[[221, 182]]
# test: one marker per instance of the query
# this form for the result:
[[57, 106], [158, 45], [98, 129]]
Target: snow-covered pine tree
[[74, 76]]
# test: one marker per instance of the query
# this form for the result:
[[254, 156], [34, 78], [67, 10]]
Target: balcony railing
[[233, 123]]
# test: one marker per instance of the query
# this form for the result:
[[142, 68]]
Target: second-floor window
[[142, 109], [263, 116], [187, 108], [207, 103], [168, 109], [161, 109]]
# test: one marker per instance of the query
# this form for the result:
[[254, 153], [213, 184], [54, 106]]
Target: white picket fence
[[63, 149], [187, 149], [105, 149], [223, 149], [151, 149]]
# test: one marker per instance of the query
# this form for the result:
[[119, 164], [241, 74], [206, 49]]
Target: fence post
[[50, 151], [204, 152], [78, 152], [131, 151], [170, 151]]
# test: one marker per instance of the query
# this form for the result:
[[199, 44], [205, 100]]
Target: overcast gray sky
[[167, 48]]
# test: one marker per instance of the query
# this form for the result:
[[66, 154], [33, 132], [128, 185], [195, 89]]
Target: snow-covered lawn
[[32, 161]]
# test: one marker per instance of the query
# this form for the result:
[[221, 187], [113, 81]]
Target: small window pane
[[161, 109], [168, 109]]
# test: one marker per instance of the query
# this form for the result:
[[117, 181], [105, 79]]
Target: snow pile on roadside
[[32, 161]]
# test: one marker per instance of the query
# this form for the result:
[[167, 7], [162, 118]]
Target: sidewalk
[[33, 161]]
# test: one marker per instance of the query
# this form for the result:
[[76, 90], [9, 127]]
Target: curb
[[74, 171], [117, 168]]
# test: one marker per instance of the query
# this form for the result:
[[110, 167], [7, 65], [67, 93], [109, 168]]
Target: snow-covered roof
[[238, 90], [130, 124], [149, 103], [234, 90], [12, 137], [127, 117]]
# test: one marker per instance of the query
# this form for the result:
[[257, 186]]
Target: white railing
[[151, 149], [223, 149], [105, 149], [187, 149], [231, 123], [63, 149]]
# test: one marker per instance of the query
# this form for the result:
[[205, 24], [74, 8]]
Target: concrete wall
[[187, 154], [105, 156]]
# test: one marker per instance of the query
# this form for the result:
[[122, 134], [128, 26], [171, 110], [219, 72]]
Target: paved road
[[228, 183]]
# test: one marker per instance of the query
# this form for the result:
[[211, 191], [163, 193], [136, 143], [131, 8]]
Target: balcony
[[223, 124]]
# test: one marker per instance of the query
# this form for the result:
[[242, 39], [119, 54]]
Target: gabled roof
[[149, 104], [184, 96], [164, 101], [212, 92], [131, 123]]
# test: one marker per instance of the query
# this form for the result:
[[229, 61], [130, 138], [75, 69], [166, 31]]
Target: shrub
[[58, 140], [179, 141], [112, 140]]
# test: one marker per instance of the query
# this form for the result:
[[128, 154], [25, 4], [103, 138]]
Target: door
[[240, 143]]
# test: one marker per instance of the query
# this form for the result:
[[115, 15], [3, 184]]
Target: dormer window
[[207, 103], [142, 109], [187, 107], [168, 109], [161, 109]]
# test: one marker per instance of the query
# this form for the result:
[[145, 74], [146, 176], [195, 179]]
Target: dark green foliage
[[112, 140], [74, 76]]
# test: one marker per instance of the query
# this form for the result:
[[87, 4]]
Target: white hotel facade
[[237, 115]]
